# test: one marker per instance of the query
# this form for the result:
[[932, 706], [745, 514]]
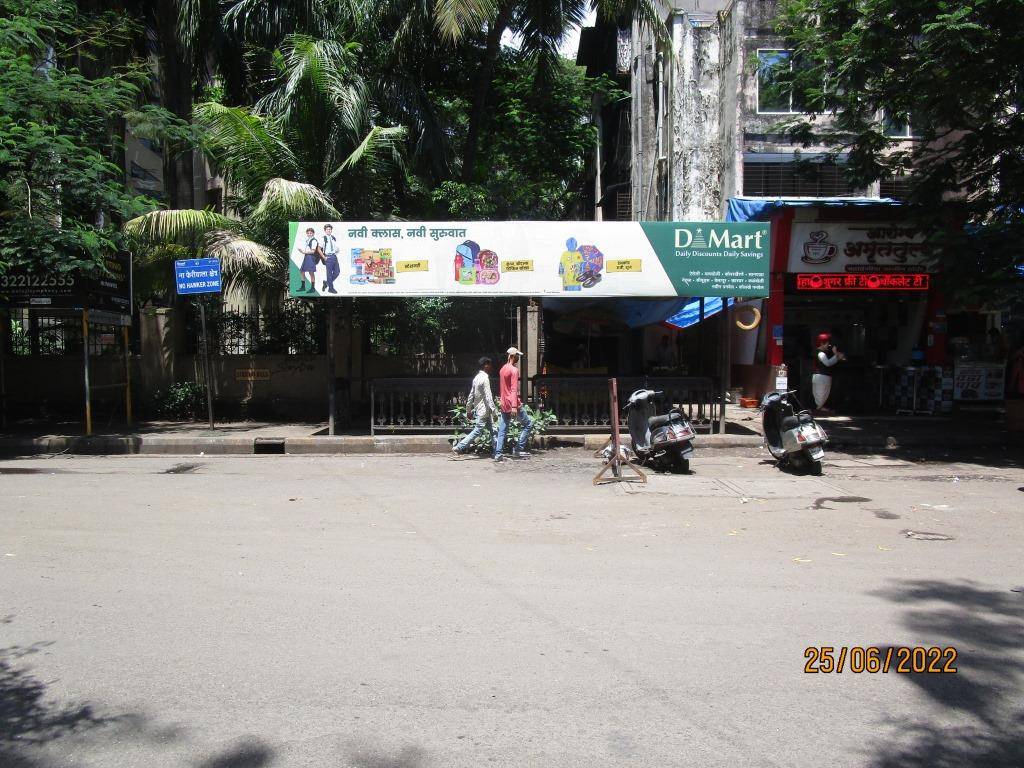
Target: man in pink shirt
[[511, 406]]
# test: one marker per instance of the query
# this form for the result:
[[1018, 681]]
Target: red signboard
[[862, 281]]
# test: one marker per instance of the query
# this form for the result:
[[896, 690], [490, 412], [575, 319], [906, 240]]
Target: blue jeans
[[524, 419], [482, 422]]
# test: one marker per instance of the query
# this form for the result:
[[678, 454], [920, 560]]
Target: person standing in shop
[[512, 407], [825, 357]]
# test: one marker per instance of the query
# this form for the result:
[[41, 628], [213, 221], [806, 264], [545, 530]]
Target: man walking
[[330, 249], [480, 403], [512, 406]]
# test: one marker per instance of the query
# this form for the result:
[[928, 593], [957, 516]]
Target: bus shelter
[[669, 264]]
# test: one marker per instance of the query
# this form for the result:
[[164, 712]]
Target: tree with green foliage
[[62, 193], [952, 72], [309, 149], [538, 143]]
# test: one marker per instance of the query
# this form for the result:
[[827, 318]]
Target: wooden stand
[[616, 462]]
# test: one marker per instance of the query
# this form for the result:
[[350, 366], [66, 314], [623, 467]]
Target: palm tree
[[310, 149]]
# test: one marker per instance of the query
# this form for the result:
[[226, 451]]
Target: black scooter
[[664, 442], [790, 432]]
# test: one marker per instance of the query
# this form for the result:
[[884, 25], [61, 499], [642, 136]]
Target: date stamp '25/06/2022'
[[874, 659]]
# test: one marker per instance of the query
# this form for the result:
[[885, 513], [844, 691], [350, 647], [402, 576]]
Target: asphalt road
[[423, 612]]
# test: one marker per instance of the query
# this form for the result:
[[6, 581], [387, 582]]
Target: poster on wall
[[979, 381], [528, 258], [821, 247]]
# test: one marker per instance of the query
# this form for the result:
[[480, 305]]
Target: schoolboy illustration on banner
[[580, 266], [330, 252], [474, 266]]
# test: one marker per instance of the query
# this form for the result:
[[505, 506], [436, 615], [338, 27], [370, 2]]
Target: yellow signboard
[[252, 374], [414, 266], [517, 265], [624, 265]]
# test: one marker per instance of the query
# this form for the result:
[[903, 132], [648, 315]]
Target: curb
[[166, 445]]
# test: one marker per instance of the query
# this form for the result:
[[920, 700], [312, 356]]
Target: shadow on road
[[986, 626], [34, 727]]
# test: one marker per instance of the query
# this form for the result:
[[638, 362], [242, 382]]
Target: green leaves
[[455, 18], [954, 72], [62, 191]]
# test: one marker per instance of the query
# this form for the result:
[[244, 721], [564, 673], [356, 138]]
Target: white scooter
[[791, 434], [664, 442]]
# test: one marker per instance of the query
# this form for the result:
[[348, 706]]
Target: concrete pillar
[[158, 345]]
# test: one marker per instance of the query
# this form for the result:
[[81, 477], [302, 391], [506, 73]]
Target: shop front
[[853, 269]]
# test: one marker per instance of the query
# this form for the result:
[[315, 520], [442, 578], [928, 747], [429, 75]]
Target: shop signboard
[[529, 258], [979, 381], [863, 281], [820, 247], [109, 290]]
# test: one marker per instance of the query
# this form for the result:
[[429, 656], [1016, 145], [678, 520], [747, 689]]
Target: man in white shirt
[[826, 356], [330, 249], [481, 404]]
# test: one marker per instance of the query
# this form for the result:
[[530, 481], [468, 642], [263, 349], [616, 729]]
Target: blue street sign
[[197, 276]]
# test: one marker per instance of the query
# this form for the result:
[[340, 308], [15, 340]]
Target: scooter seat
[[660, 421], [789, 422]]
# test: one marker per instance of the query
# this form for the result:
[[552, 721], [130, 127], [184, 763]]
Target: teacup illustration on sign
[[818, 250]]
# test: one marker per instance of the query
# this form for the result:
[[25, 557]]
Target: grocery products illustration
[[474, 266], [372, 266], [580, 266]]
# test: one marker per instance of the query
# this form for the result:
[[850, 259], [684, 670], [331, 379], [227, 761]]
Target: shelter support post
[[725, 358], [523, 346]]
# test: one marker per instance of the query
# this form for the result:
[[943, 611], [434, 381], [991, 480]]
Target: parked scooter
[[663, 442], [790, 432]]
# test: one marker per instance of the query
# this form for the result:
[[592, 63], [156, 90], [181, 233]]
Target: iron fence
[[38, 333], [293, 328], [580, 403]]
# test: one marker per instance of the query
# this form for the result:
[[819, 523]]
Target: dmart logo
[[695, 238]]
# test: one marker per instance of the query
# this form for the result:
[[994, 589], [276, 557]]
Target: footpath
[[847, 433]]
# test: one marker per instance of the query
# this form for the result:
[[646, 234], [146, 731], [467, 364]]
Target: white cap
[[513, 351]]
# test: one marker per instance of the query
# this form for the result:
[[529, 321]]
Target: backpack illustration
[[473, 266]]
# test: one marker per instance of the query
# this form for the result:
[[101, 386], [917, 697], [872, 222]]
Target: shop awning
[[761, 208], [633, 313], [691, 314]]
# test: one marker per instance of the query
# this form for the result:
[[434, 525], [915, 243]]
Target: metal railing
[[417, 405], [580, 403]]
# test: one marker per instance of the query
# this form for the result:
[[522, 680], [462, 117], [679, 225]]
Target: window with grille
[[896, 187], [794, 180]]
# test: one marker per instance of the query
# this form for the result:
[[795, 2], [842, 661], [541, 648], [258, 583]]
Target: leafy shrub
[[183, 400], [484, 442]]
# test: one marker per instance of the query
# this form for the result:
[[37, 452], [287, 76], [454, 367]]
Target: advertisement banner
[[109, 290], [529, 258], [876, 247], [979, 381]]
